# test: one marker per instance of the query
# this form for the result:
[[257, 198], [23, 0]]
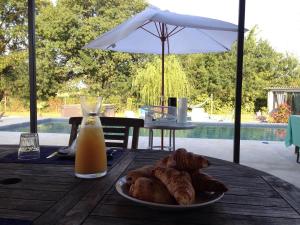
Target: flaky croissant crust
[[183, 160], [177, 176], [151, 190], [178, 183], [133, 175], [205, 183]]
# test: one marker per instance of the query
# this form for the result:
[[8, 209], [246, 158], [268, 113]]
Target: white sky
[[278, 20]]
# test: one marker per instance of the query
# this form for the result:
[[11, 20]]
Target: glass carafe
[[90, 160]]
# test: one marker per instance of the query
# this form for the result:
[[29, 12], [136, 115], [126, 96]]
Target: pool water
[[54, 127], [227, 132], [209, 131], [44, 127]]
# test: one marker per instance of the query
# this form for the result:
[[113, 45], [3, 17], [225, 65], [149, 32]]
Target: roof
[[285, 89]]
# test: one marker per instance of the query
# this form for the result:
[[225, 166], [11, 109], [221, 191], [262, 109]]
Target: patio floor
[[273, 157]]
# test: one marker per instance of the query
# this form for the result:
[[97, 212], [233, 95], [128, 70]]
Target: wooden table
[[50, 194]]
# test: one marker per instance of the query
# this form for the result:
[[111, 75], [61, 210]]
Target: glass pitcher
[[90, 159]]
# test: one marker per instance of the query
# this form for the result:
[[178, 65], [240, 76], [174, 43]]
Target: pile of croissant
[[175, 179]]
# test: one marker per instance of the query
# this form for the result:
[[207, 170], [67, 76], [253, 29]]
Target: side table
[[172, 130]]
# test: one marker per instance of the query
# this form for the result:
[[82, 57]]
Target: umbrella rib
[[172, 31], [171, 34], [146, 23], [142, 27], [158, 30], [149, 32], [227, 49]]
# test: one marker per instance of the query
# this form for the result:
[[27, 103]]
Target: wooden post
[[32, 65], [239, 82]]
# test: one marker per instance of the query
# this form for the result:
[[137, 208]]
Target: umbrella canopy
[[156, 31]]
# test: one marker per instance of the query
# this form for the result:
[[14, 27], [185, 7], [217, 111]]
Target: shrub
[[248, 107], [281, 114], [17, 105], [54, 105]]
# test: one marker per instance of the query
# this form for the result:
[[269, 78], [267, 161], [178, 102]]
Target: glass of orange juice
[[90, 158]]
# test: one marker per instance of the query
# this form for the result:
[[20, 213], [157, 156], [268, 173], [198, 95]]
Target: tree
[[65, 28], [13, 47], [263, 67], [147, 82]]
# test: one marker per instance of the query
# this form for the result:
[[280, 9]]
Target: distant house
[[281, 95]]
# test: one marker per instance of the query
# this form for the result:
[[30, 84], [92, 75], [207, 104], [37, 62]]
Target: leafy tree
[[12, 40], [148, 80], [263, 67], [13, 47], [211, 75], [65, 28]]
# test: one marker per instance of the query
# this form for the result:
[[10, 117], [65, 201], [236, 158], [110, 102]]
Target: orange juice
[[90, 161]]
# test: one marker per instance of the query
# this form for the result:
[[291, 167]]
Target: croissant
[[150, 189], [189, 161], [205, 183], [145, 171], [178, 183], [167, 161]]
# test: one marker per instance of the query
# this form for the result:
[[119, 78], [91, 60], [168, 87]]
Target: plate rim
[[122, 180]]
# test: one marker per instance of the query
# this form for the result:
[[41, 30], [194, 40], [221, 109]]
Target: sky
[[278, 20]]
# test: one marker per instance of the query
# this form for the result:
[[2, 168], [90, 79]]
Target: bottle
[[182, 110], [90, 158], [172, 103]]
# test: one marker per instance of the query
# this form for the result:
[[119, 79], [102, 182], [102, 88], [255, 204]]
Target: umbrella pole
[[162, 75], [163, 39]]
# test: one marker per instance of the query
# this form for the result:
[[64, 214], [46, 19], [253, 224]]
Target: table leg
[[151, 138], [162, 139], [170, 140], [173, 140]]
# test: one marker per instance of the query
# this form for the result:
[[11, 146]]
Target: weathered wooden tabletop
[[50, 194]]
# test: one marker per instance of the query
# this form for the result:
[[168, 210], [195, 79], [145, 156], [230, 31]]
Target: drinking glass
[[29, 146]]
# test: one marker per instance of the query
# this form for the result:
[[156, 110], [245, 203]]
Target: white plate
[[203, 200]]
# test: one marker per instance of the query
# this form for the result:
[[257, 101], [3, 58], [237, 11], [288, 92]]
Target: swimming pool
[[262, 132]]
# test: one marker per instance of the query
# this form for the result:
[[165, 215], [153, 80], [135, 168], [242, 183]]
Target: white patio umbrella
[[163, 32]]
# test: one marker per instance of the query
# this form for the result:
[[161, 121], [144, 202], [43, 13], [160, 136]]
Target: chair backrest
[[115, 129]]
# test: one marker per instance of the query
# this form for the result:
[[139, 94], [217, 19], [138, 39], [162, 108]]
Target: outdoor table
[[293, 133], [172, 127], [50, 194]]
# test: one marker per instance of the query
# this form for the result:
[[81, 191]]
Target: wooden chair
[[116, 130]]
